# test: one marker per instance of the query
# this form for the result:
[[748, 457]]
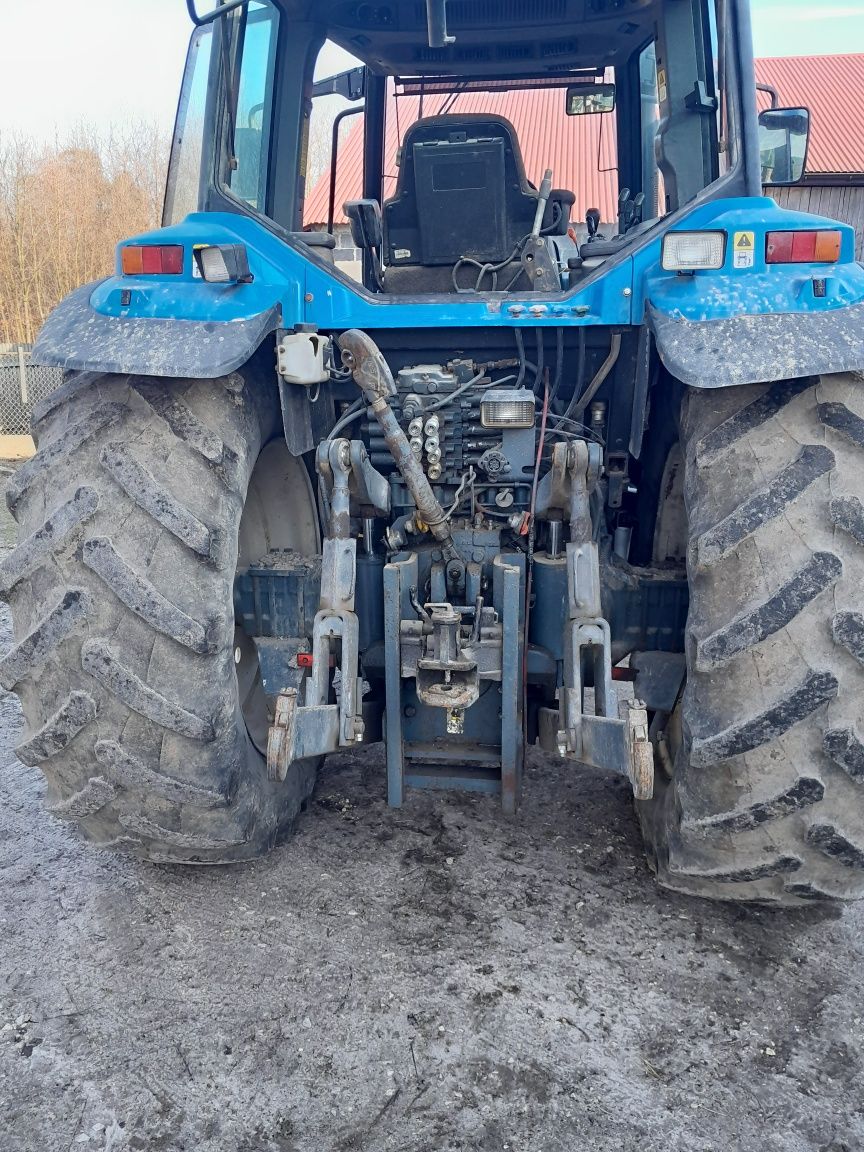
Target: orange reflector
[[132, 261], [152, 259], [828, 247], [803, 247]]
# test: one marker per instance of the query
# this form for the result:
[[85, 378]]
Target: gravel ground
[[432, 978]]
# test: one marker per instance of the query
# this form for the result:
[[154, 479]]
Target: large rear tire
[[766, 796], [135, 692]]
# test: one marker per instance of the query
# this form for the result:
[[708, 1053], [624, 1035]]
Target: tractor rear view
[[538, 473]]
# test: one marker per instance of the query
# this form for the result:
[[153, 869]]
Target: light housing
[[811, 247], [507, 408], [693, 251], [223, 263], [151, 259]]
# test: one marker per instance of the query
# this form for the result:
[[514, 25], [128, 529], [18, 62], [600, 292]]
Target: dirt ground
[[432, 978]]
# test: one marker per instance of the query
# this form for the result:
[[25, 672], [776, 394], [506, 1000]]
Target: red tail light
[[150, 259], [802, 247]]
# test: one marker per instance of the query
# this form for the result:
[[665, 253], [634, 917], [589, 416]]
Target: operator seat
[[461, 191]]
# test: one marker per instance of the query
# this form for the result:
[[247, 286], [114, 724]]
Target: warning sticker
[[661, 85], [744, 249]]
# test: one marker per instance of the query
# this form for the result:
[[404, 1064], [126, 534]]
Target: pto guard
[[76, 336]]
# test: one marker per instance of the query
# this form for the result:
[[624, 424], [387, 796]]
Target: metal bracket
[[299, 732], [349, 460], [618, 744], [369, 487], [604, 737], [539, 266], [316, 726], [568, 484], [641, 761]]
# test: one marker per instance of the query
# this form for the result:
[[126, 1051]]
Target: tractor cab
[[528, 150]]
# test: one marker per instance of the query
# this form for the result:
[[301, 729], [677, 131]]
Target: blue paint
[[617, 294], [761, 290]]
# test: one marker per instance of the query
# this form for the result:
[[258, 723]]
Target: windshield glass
[[188, 168], [247, 174]]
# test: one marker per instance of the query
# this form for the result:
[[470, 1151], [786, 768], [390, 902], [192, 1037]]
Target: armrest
[[365, 218]]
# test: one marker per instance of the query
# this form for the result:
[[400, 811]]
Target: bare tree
[[63, 208]]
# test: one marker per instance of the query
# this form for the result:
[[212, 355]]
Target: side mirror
[[365, 218], [784, 135], [585, 99]]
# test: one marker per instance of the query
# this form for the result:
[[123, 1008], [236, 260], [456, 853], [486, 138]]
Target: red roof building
[[571, 146], [832, 87], [581, 149]]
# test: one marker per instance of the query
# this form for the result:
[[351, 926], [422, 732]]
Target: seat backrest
[[461, 191]]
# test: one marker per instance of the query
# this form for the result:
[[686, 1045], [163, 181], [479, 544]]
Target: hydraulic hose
[[576, 410], [373, 377], [579, 403]]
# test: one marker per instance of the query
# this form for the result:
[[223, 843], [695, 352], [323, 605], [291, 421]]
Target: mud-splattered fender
[[755, 349], [76, 336]]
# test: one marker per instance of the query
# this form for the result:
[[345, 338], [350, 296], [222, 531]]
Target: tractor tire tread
[[765, 800], [121, 599]]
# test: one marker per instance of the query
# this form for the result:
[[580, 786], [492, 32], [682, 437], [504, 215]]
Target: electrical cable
[[520, 349], [495, 512], [348, 417], [486, 268], [580, 373], [541, 352], [574, 428], [509, 285], [559, 365]]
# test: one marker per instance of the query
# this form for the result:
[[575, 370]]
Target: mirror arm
[[351, 84], [208, 17], [772, 92], [334, 152], [231, 95]]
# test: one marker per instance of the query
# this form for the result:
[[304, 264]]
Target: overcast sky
[[63, 61]]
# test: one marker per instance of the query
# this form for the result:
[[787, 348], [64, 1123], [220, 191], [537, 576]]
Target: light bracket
[[223, 263]]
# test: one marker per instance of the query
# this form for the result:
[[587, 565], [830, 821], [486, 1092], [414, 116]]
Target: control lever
[[638, 206], [592, 222], [542, 201], [624, 209]]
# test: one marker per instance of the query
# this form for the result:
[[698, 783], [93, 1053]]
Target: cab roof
[[492, 37]]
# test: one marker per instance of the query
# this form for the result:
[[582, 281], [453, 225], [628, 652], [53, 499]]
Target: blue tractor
[[522, 479]]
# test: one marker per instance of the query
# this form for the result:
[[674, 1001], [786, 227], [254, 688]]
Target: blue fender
[[76, 335], [749, 321], [759, 348]]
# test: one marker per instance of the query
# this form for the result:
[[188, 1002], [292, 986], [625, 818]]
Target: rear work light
[[150, 259], [693, 251], [802, 247], [223, 263], [507, 408]]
